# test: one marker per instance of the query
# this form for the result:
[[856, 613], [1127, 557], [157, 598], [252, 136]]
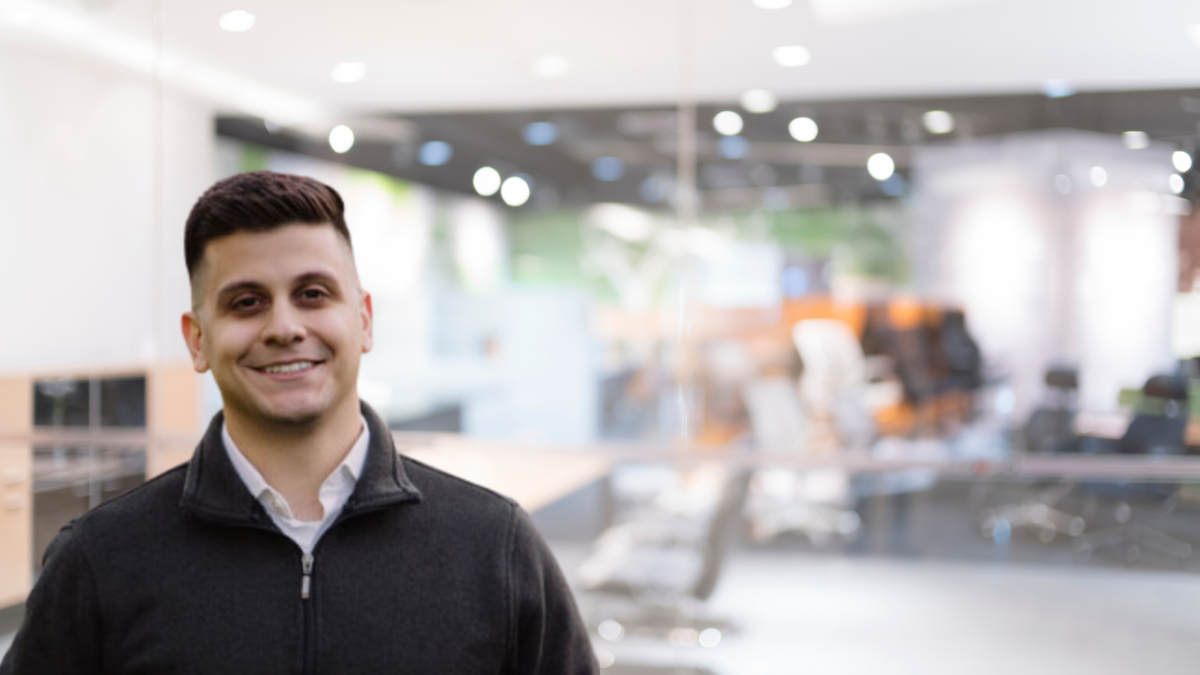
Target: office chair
[[833, 386], [1050, 429], [1161, 418], [667, 566], [959, 352], [1157, 429], [816, 503]]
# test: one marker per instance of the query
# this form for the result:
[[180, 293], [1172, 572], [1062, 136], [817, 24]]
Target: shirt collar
[[351, 465], [213, 491]]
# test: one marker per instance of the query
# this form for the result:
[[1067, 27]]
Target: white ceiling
[[441, 55]]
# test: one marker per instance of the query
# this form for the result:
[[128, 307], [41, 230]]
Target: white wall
[[76, 222], [1086, 277], [548, 386]]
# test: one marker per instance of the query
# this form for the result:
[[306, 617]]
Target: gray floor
[[797, 613], [921, 591]]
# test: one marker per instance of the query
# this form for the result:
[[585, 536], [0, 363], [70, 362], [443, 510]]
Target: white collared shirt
[[336, 489]]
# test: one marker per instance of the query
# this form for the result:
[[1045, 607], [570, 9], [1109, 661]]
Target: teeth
[[289, 368]]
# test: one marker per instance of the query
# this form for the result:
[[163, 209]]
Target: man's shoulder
[[156, 498]]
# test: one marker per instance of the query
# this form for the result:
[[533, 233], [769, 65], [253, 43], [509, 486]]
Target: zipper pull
[[306, 564]]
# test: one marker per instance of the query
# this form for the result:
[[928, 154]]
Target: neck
[[295, 459]]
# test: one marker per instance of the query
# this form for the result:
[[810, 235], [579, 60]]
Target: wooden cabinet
[[16, 490]]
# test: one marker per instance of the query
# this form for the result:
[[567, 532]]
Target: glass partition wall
[[90, 447]]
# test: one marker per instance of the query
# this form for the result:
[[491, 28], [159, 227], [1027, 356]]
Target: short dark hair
[[258, 202]]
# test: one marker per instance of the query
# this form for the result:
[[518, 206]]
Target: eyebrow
[[236, 287]]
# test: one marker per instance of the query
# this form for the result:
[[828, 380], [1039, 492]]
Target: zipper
[[306, 564], [309, 615]]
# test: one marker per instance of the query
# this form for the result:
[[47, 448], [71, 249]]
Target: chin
[[293, 412]]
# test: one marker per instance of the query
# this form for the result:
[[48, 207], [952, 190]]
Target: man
[[296, 540]]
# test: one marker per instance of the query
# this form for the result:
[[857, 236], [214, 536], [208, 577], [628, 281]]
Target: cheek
[[229, 342], [340, 332]]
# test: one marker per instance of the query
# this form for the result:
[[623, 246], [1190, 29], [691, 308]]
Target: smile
[[289, 368]]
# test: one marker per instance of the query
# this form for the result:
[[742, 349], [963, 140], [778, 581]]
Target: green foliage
[[399, 190], [859, 245], [546, 248], [254, 158]]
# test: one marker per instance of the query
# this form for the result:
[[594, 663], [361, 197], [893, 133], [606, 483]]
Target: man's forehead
[[287, 251]]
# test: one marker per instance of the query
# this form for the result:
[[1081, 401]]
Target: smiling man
[[296, 540]]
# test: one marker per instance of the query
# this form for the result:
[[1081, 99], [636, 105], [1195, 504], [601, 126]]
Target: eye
[[313, 294], [246, 303]]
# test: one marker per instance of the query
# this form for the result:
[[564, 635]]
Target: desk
[[537, 475], [533, 476]]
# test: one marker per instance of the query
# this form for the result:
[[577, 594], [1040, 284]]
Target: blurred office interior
[[834, 336]]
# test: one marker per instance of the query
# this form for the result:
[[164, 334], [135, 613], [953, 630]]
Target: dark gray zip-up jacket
[[421, 573]]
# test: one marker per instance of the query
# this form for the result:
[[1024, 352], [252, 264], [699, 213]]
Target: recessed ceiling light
[[727, 123], [655, 188], [881, 166], [1136, 140], [803, 129], [1194, 33], [1175, 182], [1062, 183], [772, 4], [486, 181], [1182, 161], [540, 133], [1098, 175], [348, 73], [341, 138], [608, 168], [237, 21], [938, 122], [551, 66], [733, 147], [791, 56], [435, 153], [759, 101], [514, 191], [1057, 88]]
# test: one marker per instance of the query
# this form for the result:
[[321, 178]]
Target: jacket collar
[[213, 490]]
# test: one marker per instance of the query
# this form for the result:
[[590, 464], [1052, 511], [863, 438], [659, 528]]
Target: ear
[[367, 313], [193, 335]]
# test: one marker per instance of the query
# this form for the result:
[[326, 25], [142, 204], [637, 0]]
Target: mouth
[[291, 368]]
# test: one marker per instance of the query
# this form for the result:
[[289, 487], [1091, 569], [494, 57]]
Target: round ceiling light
[[435, 153], [540, 133], [341, 138], [759, 101], [514, 191], [881, 166], [1182, 161], [608, 169], [1136, 140], [1175, 182], [551, 66], [237, 21], [733, 147], [791, 56], [349, 73], [938, 122], [803, 129], [486, 181], [728, 123]]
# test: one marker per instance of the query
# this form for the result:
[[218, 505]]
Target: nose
[[284, 326]]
